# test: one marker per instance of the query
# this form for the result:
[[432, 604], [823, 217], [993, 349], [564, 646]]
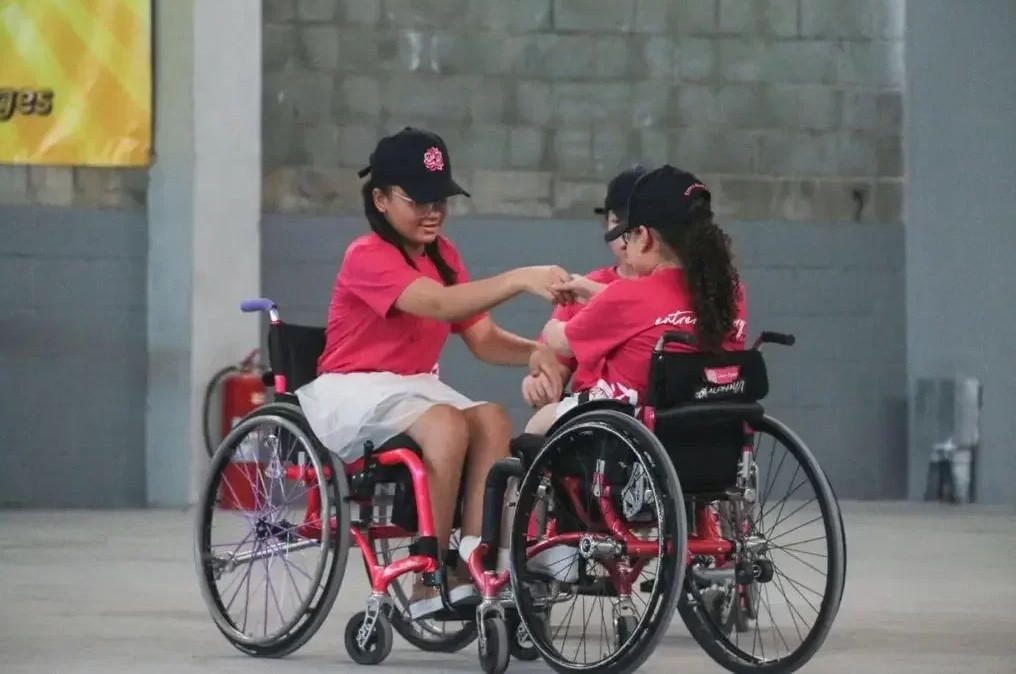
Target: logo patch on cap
[[693, 187], [433, 160]]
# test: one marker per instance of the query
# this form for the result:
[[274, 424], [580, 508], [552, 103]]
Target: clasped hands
[[547, 375], [556, 285]]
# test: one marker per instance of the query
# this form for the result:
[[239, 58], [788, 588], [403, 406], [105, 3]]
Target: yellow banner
[[76, 82]]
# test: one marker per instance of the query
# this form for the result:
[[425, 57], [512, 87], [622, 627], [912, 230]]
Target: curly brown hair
[[704, 251]]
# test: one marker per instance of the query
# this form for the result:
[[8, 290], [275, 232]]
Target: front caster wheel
[[521, 643], [494, 646], [372, 648], [624, 627]]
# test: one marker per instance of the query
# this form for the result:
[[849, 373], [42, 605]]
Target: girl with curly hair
[[686, 281]]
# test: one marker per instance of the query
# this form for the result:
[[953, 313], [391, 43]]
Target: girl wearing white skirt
[[400, 291]]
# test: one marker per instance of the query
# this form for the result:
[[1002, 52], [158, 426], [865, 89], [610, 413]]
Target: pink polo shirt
[[365, 332]]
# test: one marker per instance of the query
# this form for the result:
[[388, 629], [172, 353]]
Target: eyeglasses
[[627, 236], [422, 209]]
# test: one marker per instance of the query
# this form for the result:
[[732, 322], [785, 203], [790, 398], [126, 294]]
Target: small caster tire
[[624, 627], [378, 646], [763, 570], [521, 643], [495, 652]]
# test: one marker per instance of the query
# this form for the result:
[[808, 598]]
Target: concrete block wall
[[73, 187], [790, 108]]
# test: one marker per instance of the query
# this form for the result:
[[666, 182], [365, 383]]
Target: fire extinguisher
[[243, 391]]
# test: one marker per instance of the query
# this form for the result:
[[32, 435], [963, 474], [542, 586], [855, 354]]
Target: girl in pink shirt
[[537, 390], [401, 290], [687, 281]]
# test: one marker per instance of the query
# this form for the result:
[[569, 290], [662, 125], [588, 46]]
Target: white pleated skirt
[[347, 410]]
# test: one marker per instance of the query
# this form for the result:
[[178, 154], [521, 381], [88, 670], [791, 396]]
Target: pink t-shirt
[[614, 335], [564, 312], [365, 332]]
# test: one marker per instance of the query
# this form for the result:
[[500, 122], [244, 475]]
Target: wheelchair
[[668, 506], [280, 499]]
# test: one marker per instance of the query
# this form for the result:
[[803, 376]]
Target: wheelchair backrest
[[706, 447], [681, 378], [293, 351]]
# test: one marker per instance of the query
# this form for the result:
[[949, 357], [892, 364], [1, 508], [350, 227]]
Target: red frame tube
[[488, 582], [383, 576], [706, 541], [380, 576]]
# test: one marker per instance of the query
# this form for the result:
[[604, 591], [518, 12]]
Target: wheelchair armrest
[[704, 413], [526, 447]]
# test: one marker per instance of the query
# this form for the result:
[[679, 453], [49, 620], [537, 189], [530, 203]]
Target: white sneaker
[[426, 601], [560, 562]]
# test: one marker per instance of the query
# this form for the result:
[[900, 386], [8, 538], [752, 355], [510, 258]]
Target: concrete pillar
[[204, 203]]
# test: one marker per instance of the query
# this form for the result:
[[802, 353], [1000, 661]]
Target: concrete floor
[[929, 589]]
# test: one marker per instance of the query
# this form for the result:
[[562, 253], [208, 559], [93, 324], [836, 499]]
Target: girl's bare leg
[[541, 422]]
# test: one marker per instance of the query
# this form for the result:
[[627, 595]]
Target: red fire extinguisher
[[242, 391]]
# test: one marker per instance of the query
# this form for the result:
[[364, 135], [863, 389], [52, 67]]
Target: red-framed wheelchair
[[670, 504], [288, 514]]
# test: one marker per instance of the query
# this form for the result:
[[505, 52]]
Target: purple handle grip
[[259, 304]]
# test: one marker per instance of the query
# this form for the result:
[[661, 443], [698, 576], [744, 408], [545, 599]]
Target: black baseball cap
[[619, 189], [618, 192], [418, 162], [662, 198]]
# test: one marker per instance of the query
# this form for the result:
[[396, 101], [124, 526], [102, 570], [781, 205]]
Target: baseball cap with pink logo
[[418, 162]]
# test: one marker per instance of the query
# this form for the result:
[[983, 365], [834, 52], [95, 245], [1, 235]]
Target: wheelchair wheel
[[269, 571], [426, 634], [787, 576], [599, 530]]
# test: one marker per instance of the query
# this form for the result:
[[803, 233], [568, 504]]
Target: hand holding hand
[[543, 363], [539, 280], [538, 391], [580, 287]]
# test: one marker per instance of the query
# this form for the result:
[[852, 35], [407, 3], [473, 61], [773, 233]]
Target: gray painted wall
[[839, 289], [961, 216], [72, 357]]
